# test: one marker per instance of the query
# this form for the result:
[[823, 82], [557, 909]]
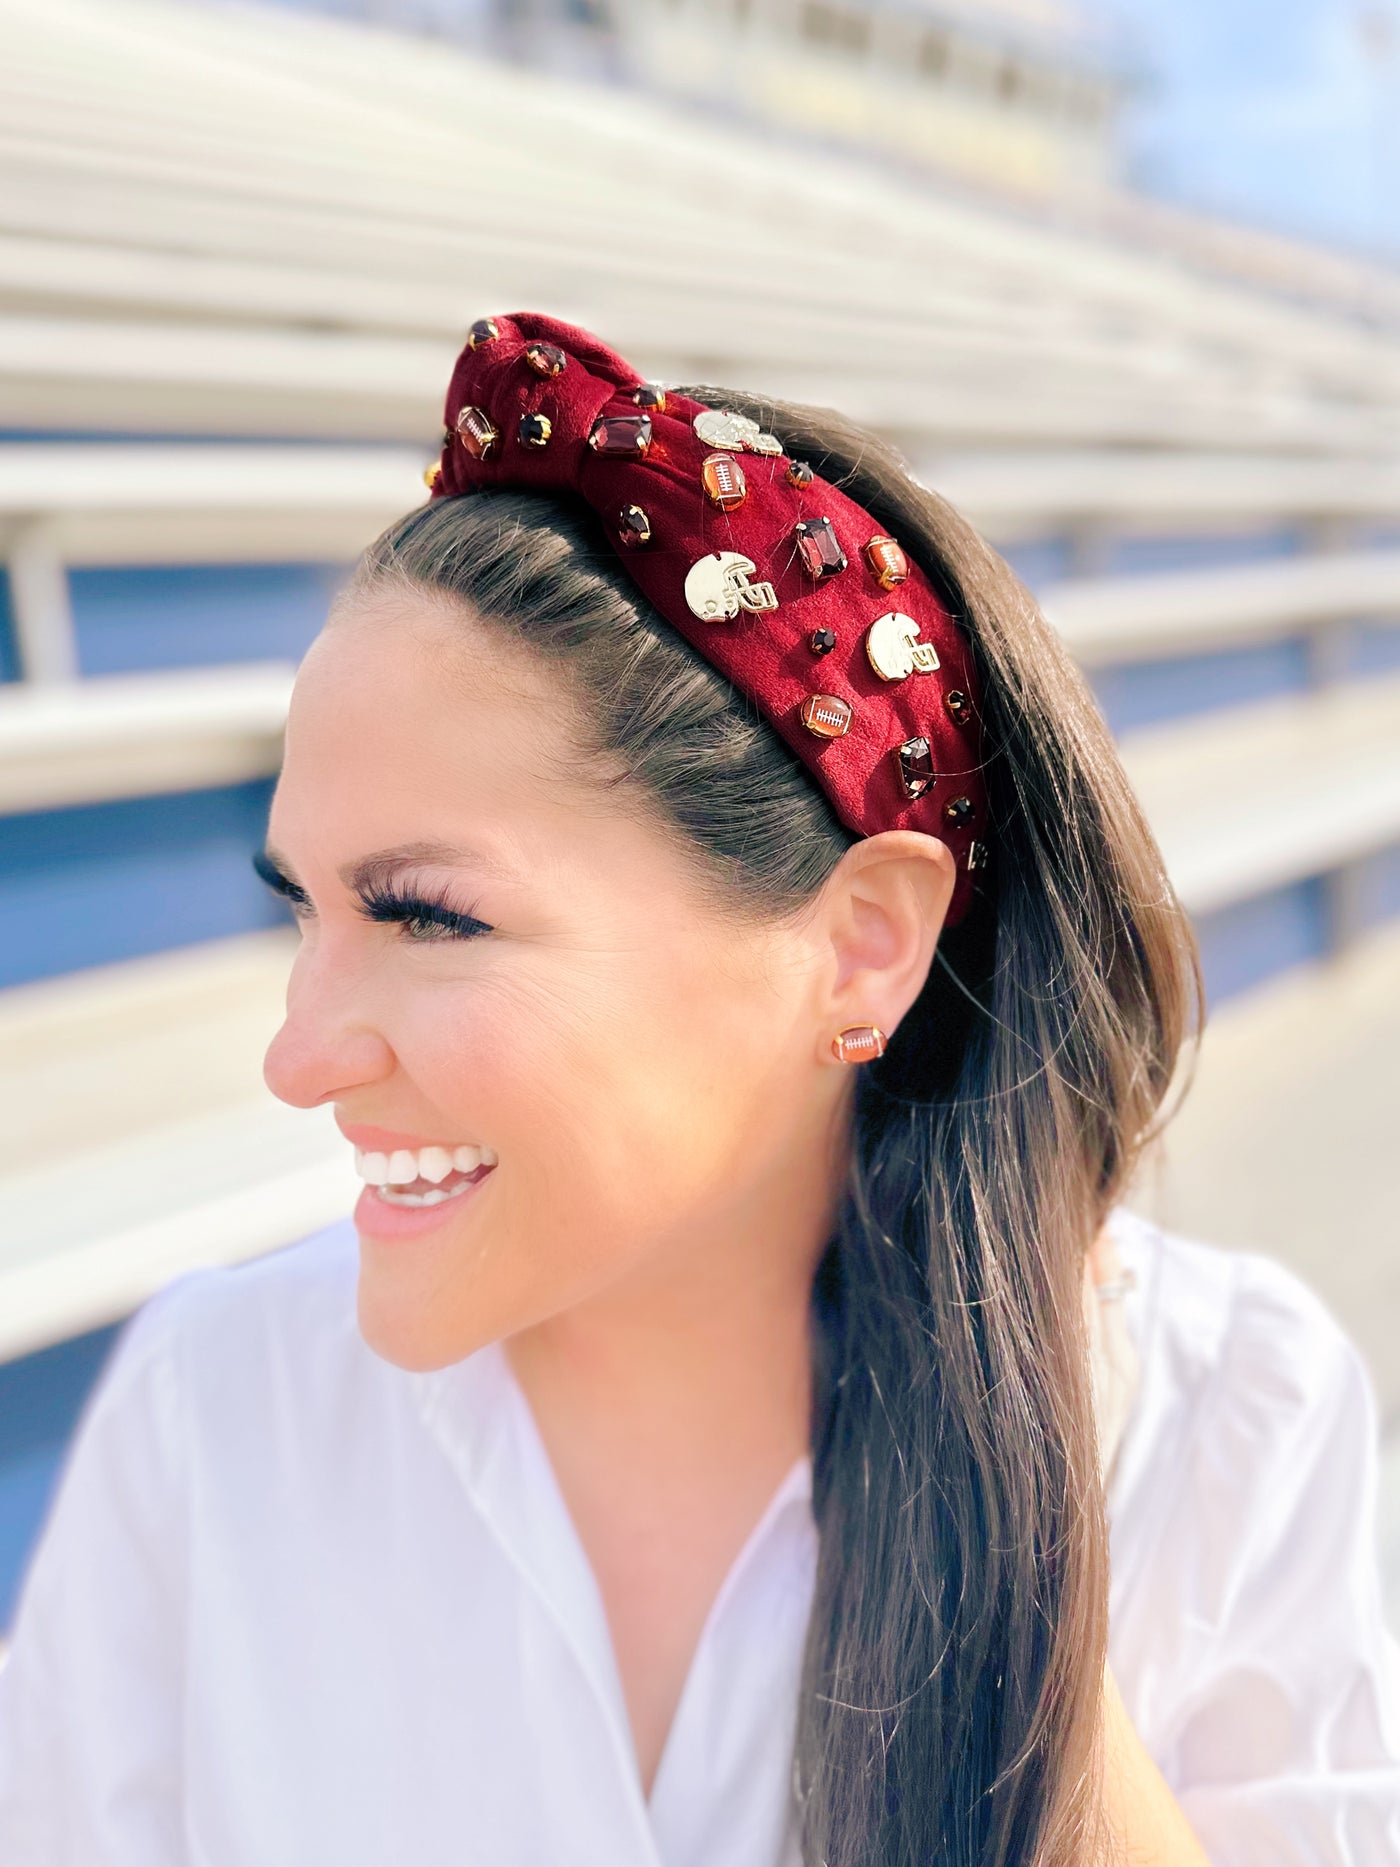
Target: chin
[[411, 1332]]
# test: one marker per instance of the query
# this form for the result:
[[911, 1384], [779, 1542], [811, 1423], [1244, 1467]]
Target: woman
[[747, 981]]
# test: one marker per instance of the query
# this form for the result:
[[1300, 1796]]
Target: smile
[[425, 1176]]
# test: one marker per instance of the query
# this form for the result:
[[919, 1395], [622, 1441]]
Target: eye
[[420, 918], [296, 897]]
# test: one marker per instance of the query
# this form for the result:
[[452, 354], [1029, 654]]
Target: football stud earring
[[858, 1043]]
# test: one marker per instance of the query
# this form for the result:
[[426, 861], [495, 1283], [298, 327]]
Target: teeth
[[405, 1166], [434, 1163], [434, 1196]]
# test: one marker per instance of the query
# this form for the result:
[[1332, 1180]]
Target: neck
[[700, 1358]]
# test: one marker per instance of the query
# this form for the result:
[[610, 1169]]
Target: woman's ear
[[883, 907]]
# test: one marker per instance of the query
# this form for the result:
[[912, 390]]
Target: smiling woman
[[747, 997]]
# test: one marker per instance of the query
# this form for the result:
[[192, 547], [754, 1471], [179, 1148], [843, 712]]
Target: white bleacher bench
[[113, 503], [1105, 620], [137, 1139], [138, 735]]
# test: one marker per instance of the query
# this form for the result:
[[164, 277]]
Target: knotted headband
[[778, 579]]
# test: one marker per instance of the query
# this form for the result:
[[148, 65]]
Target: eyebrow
[[367, 873]]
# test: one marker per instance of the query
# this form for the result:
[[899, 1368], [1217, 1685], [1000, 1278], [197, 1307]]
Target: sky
[[1280, 112]]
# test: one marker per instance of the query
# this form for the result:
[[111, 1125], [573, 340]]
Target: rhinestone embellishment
[[534, 430], [633, 527], [958, 705], [915, 762], [545, 359], [718, 586], [977, 855], [822, 641], [819, 548], [650, 395], [958, 811], [621, 434], [723, 480], [826, 715], [893, 648], [484, 331], [799, 473], [476, 433]]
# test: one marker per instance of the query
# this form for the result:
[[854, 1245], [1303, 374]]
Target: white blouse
[[295, 1607]]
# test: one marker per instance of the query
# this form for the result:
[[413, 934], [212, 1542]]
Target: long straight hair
[[953, 1671]]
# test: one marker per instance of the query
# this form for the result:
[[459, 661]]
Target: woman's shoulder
[[1199, 1311], [230, 1337], [1248, 1387]]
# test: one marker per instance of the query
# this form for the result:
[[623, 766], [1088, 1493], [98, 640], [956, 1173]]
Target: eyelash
[[423, 921]]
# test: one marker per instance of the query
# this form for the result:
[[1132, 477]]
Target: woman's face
[[568, 1063]]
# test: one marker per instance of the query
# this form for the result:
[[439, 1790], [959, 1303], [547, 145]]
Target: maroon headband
[[779, 580]]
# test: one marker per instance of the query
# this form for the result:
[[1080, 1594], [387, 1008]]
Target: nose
[[326, 1046]]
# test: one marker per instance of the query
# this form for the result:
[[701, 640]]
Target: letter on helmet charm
[[716, 586]]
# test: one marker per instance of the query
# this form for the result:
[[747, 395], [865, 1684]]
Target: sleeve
[[90, 1696], [1284, 1741]]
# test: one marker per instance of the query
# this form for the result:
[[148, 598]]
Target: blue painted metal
[[41, 1399], [110, 881]]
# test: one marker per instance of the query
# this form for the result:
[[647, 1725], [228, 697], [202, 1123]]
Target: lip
[[376, 1218], [371, 1140]]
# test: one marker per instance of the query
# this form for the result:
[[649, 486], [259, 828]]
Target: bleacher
[[238, 250]]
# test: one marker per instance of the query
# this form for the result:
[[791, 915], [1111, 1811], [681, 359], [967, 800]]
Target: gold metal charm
[[894, 650], [717, 586], [720, 427]]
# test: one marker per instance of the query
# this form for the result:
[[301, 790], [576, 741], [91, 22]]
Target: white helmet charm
[[718, 585], [894, 650]]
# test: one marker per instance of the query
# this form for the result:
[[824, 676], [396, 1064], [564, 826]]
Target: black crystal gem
[[915, 760], [822, 641], [977, 855], [799, 473], [633, 527], [958, 811], [534, 430]]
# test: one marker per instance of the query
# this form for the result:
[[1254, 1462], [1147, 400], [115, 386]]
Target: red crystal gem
[[633, 527], [819, 548], [621, 434], [476, 433], [958, 705], [799, 473], [915, 761], [723, 480], [484, 331], [887, 561], [826, 715], [650, 395], [958, 811], [534, 430], [545, 359]]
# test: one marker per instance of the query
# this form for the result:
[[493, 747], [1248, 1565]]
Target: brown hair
[[953, 1670]]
